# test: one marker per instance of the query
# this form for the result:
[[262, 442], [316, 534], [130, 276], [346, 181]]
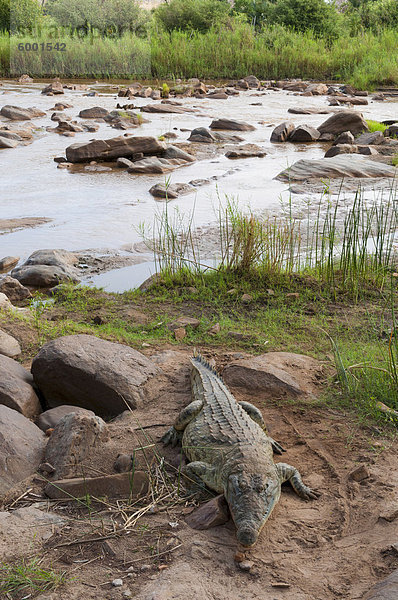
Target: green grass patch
[[28, 577], [376, 126]]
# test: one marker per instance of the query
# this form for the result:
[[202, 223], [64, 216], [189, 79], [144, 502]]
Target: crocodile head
[[251, 498]]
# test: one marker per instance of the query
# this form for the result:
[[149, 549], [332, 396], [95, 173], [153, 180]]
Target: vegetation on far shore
[[204, 38]]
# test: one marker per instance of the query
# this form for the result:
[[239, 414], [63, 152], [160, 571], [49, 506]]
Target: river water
[[102, 211]]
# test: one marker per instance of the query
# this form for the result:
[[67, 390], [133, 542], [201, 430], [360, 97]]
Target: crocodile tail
[[198, 360]]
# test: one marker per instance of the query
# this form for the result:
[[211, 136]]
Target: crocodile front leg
[[174, 435], [198, 472], [255, 414], [291, 474]]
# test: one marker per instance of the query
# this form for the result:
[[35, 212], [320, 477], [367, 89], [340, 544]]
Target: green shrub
[[197, 15], [4, 15], [111, 18], [306, 15], [19, 15]]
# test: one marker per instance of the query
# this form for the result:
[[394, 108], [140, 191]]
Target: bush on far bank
[[195, 15]]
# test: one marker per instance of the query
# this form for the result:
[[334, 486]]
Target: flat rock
[[231, 125], [155, 165], [122, 485], [169, 192], [309, 110], [54, 88], [16, 113], [50, 418], [113, 148], [167, 108], [9, 346], [16, 388], [86, 371], [211, 514], [175, 152], [282, 132], [387, 589], [96, 112], [275, 373], [304, 133], [246, 151], [345, 120], [21, 448], [338, 167], [204, 135], [184, 322], [75, 437]]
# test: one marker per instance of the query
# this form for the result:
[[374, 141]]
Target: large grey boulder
[[47, 268], [86, 371], [50, 418], [387, 589], [275, 374], [21, 448], [345, 120], [16, 113], [73, 440], [370, 139], [108, 150], [96, 112], [16, 388], [43, 276], [343, 166]]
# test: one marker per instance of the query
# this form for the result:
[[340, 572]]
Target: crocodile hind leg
[[174, 435], [291, 474], [200, 474], [255, 414]]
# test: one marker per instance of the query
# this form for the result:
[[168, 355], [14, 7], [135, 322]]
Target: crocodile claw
[[172, 437], [309, 494], [276, 447]]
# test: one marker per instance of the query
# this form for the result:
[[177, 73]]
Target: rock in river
[[231, 125], [343, 166], [16, 113], [113, 148], [86, 371], [345, 120]]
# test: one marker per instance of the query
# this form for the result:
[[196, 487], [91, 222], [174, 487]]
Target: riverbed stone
[[13, 289], [344, 166], [282, 132], [231, 125], [51, 417], [9, 346], [175, 152], [344, 138], [114, 148], [317, 89], [21, 448], [391, 131], [169, 192], [16, 388], [96, 112], [75, 437], [86, 371], [53, 88], [345, 120], [372, 138], [246, 151], [210, 514], [341, 149], [304, 133], [155, 165], [167, 108], [16, 113]]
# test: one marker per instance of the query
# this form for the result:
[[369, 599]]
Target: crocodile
[[230, 452]]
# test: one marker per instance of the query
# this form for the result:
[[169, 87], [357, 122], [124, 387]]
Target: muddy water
[[99, 211]]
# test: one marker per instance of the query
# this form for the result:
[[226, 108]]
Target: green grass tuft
[[28, 577], [376, 126]]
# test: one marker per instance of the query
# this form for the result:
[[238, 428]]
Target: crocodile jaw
[[251, 501]]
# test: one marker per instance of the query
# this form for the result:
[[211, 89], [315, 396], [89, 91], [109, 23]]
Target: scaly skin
[[230, 452]]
